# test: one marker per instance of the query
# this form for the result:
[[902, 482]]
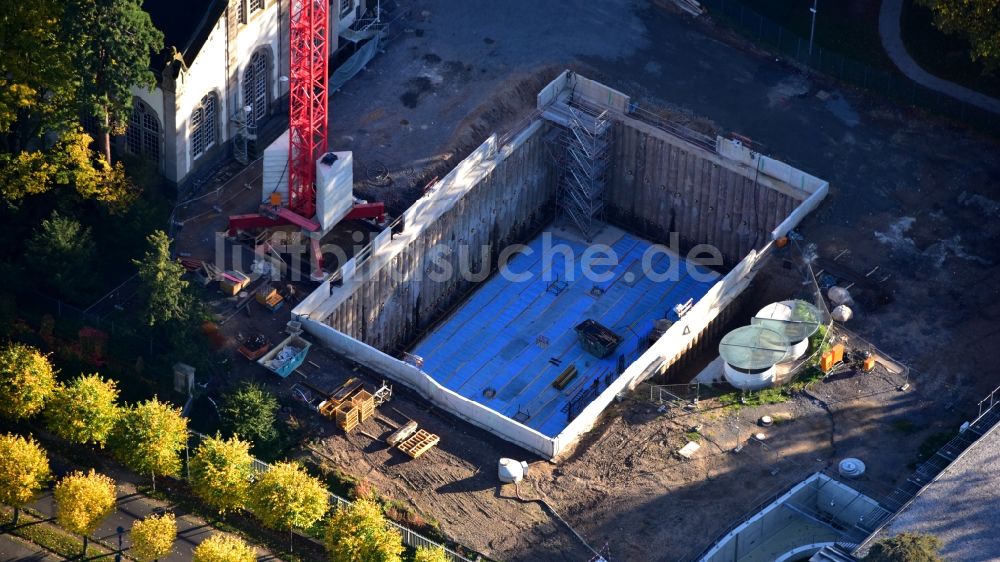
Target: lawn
[[847, 27], [945, 56]]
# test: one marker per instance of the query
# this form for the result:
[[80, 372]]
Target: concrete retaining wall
[[414, 378], [661, 184], [495, 197]]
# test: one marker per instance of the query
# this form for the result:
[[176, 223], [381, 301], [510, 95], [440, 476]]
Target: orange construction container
[[869, 363], [826, 362], [838, 353]]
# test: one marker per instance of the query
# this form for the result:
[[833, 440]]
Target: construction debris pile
[[286, 354]]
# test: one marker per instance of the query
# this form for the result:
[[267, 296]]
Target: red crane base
[[284, 217]]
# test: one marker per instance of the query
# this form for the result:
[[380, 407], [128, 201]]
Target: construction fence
[[891, 84], [410, 538]]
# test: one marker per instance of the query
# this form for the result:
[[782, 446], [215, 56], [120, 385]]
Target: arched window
[[142, 137], [255, 87], [203, 125]]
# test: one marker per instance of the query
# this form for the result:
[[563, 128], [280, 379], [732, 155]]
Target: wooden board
[[419, 443]]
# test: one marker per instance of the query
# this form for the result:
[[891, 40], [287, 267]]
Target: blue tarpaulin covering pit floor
[[506, 344]]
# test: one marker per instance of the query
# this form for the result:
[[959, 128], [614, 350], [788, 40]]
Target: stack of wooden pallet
[[421, 442], [365, 403], [348, 416]]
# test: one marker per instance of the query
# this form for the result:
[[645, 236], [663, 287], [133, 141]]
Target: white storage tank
[[750, 353], [511, 470], [797, 320]]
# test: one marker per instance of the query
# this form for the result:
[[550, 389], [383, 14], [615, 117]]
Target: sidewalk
[[132, 506], [15, 549], [892, 41]]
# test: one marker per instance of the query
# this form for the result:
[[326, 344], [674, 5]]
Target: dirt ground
[[911, 195]]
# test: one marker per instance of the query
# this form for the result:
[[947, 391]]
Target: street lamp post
[[812, 29]]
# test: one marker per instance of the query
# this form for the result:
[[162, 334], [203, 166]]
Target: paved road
[[892, 41], [13, 549], [132, 506]]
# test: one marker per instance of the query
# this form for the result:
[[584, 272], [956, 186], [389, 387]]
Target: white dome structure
[[749, 356], [797, 320]]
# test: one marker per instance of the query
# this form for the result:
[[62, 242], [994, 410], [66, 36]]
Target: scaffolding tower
[[582, 153]]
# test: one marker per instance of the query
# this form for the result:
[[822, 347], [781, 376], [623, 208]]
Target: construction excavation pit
[[560, 265]]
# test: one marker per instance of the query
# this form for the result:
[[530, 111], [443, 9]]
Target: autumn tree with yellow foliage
[[286, 497], [153, 537], [427, 554], [84, 411], [149, 438], [24, 471], [27, 381], [221, 470], [361, 533], [224, 548], [82, 500]]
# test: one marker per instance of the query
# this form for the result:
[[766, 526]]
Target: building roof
[[960, 506], [185, 23]]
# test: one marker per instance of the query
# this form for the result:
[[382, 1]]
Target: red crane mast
[[307, 101]]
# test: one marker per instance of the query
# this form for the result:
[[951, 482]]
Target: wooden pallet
[[567, 375], [419, 443], [347, 416], [365, 403]]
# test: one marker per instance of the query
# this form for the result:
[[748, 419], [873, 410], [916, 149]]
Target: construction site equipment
[[598, 340], [307, 135], [838, 353], [349, 405], [347, 416], [582, 154], [511, 471], [365, 403], [418, 444], [232, 282], [402, 434], [383, 394], [563, 379], [269, 297], [254, 347], [868, 364], [286, 356]]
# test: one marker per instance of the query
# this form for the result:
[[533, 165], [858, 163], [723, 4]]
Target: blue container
[[276, 362]]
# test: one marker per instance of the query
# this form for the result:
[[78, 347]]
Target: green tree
[[361, 533], [286, 497], [62, 254], [24, 470], [42, 145], [249, 412], [221, 471], [113, 40], [153, 537], [149, 438], [167, 300], [37, 82], [26, 381], [426, 554], [85, 411], [224, 548], [906, 547], [977, 20], [82, 500]]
